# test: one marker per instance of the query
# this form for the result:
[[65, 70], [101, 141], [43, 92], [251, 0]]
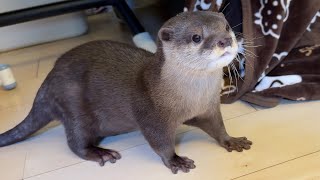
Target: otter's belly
[[116, 119], [117, 126]]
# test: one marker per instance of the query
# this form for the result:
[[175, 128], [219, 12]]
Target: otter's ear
[[165, 34]]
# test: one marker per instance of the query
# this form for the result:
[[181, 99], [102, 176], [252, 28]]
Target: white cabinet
[[38, 31]]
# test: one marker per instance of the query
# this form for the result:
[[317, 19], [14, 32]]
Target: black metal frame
[[54, 9]]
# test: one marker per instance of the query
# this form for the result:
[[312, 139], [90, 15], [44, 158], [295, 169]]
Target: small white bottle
[[7, 80]]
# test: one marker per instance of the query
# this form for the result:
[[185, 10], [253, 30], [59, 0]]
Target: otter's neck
[[167, 81], [181, 79]]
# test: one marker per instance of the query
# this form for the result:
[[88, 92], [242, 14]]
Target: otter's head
[[198, 41]]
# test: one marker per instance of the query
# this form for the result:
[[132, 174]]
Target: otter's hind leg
[[82, 129], [83, 141]]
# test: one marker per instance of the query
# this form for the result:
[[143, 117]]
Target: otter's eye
[[196, 38], [227, 27]]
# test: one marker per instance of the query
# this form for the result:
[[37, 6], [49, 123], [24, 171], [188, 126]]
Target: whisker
[[235, 77], [246, 62], [246, 38], [240, 33], [241, 65], [224, 73], [230, 76], [250, 52], [247, 54], [230, 79], [248, 43], [251, 46], [236, 25], [238, 58], [239, 76], [228, 13], [233, 67], [225, 7]]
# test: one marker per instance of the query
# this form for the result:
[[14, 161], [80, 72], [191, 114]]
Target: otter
[[104, 88]]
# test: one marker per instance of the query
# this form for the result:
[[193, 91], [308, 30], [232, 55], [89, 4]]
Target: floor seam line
[[277, 164], [24, 164], [240, 115], [38, 66]]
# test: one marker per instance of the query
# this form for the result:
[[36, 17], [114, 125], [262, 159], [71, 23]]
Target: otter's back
[[102, 56]]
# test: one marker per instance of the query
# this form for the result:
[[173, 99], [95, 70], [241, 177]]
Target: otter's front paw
[[179, 163], [237, 144]]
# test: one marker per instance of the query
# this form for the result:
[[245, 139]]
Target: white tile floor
[[286, 138]]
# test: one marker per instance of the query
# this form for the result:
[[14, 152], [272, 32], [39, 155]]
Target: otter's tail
[[38, 117]]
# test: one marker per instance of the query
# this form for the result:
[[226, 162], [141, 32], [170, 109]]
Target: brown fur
[[106, 88]]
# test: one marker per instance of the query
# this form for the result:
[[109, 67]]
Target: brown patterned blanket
[[281, 56]]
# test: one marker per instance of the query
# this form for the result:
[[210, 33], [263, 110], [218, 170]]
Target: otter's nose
[[224, 42]]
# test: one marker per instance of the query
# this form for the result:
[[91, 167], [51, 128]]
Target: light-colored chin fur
[[219, 60]]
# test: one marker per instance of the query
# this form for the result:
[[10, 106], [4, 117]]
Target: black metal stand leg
[[122, 7], [48, 10], [59, 8], [54, 9]]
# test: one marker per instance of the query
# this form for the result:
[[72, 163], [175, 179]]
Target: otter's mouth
[[226, 54], [227, 57], [223, 60]]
